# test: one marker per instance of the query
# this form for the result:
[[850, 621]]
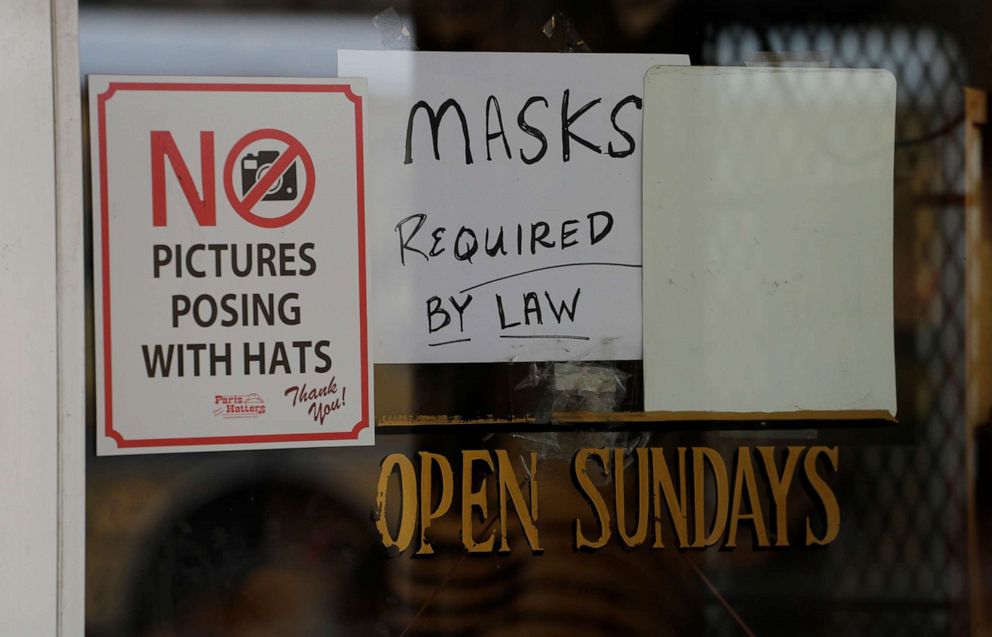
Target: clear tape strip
[[395, 36]]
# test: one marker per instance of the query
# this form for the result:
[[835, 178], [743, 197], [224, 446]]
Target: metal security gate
[[900, 564]]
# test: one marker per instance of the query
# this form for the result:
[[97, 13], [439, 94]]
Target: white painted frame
[[42, 293], [71, 297]]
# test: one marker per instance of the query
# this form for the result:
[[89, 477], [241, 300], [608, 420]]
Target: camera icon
[[253, 166]]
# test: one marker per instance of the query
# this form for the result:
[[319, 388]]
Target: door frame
[[42, 293], [71, 310]]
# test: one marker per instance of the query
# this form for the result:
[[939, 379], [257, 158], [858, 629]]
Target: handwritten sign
[[230, 266], [768, 242], [504, 200]]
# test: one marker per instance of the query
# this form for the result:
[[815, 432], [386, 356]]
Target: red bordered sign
[[197, 371]]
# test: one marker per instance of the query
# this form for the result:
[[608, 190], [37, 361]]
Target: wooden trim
[[722, 416], [583, 417], [977, 339], [434, 420]]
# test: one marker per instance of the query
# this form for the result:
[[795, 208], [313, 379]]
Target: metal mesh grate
[[899, 566]]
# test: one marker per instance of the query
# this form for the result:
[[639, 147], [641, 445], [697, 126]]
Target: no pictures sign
[[230, 267]]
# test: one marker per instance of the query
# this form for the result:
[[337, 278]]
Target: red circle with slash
[[294, 150]]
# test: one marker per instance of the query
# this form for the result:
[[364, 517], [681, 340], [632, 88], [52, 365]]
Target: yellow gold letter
[[594, 496], [700, 456], [677, 508], [426, 478], [408, 501], [780, 487], [745, 476], [472, 499], [641, 532], [508, 484], [826, 494]]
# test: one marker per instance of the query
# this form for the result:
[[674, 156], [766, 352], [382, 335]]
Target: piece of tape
[[559, 25], [590, 378], [395, 36]]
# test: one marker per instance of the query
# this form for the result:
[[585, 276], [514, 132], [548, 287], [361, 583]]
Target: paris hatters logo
[[238, 406]]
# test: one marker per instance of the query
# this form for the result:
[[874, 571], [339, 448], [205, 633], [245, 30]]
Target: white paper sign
[[229, 264], [504, 203], [768, 241]]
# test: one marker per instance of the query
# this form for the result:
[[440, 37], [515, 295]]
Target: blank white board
[[767, 242]]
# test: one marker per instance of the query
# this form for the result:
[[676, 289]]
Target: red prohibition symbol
[[244, 206]]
